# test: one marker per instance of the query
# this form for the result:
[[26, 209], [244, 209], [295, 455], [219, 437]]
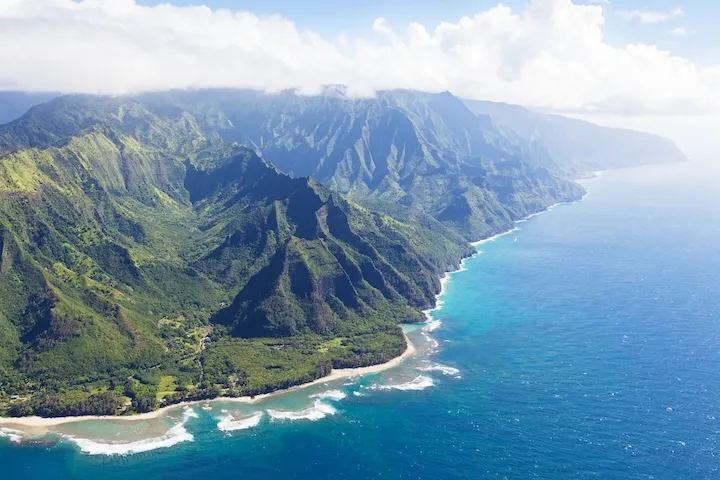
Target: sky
[[692, 34], [652, 65]]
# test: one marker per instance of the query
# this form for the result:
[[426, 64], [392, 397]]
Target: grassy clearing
[[167, 386], [334, 343]]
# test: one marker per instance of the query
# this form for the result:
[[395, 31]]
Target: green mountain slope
[[138, 246], [424, 151], [178, 245]]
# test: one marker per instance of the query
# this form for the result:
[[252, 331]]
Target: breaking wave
[[444, 369], [177, 434], [336, 395], [421, 382], [495, 237], [318, 411], [428, 328], [189, 413], [230, 424], [431, 326], [12, 435]]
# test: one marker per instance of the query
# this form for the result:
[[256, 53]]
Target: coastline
[[502, 234], [335, 374], [35, 422], [446, 277]]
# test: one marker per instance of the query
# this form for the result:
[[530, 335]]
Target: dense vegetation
[[425, 151], [147, 257], [137, 248]]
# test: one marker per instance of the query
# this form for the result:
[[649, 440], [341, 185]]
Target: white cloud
[[678, 32], [651, 16], [551, 54]]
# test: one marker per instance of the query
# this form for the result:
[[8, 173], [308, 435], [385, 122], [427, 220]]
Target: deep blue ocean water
[[589, 347]]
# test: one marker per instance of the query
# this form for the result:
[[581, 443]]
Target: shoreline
[[35, 422], [446, 277], [335, 374]]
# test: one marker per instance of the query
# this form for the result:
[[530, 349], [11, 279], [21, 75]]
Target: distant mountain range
[[14, 104], [237, 242], [581, 146]]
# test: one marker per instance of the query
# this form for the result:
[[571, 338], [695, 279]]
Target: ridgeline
[[181, 245]]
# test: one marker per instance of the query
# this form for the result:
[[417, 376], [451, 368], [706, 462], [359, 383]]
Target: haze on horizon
[[613, 63]]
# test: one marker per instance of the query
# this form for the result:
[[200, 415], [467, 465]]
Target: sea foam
[[229, 424], [176, 434], [421, 382], [318, 411], [431, 326], [12, 435], [495, 237], [444, 369], [189, 413], [336, 395]]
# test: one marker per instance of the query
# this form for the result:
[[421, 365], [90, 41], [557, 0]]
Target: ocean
[[583, 345]]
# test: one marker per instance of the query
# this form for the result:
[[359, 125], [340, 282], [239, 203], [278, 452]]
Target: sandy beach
[[38, 423], [336, 374]]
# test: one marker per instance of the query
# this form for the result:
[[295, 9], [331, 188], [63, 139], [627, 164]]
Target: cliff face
[[420, 150], [196, 234], [123, 232]]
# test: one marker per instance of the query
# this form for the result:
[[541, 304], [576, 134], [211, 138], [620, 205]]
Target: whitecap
[[229, 424], [336, 395], [495, 237], [318, 411], [206, 407], [444, 369], [175, 435], [360, 394], [431, 326], [189, 413], [419, 383], [14, 436]]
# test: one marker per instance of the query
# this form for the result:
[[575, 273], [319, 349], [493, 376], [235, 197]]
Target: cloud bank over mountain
[[551, 54]]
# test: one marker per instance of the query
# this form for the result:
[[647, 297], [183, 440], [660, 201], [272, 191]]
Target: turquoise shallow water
[[588, 343]]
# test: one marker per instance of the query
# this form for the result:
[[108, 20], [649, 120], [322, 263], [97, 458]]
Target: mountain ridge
[[122, 224], [580, 144], [417, 149], [193, 235]]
